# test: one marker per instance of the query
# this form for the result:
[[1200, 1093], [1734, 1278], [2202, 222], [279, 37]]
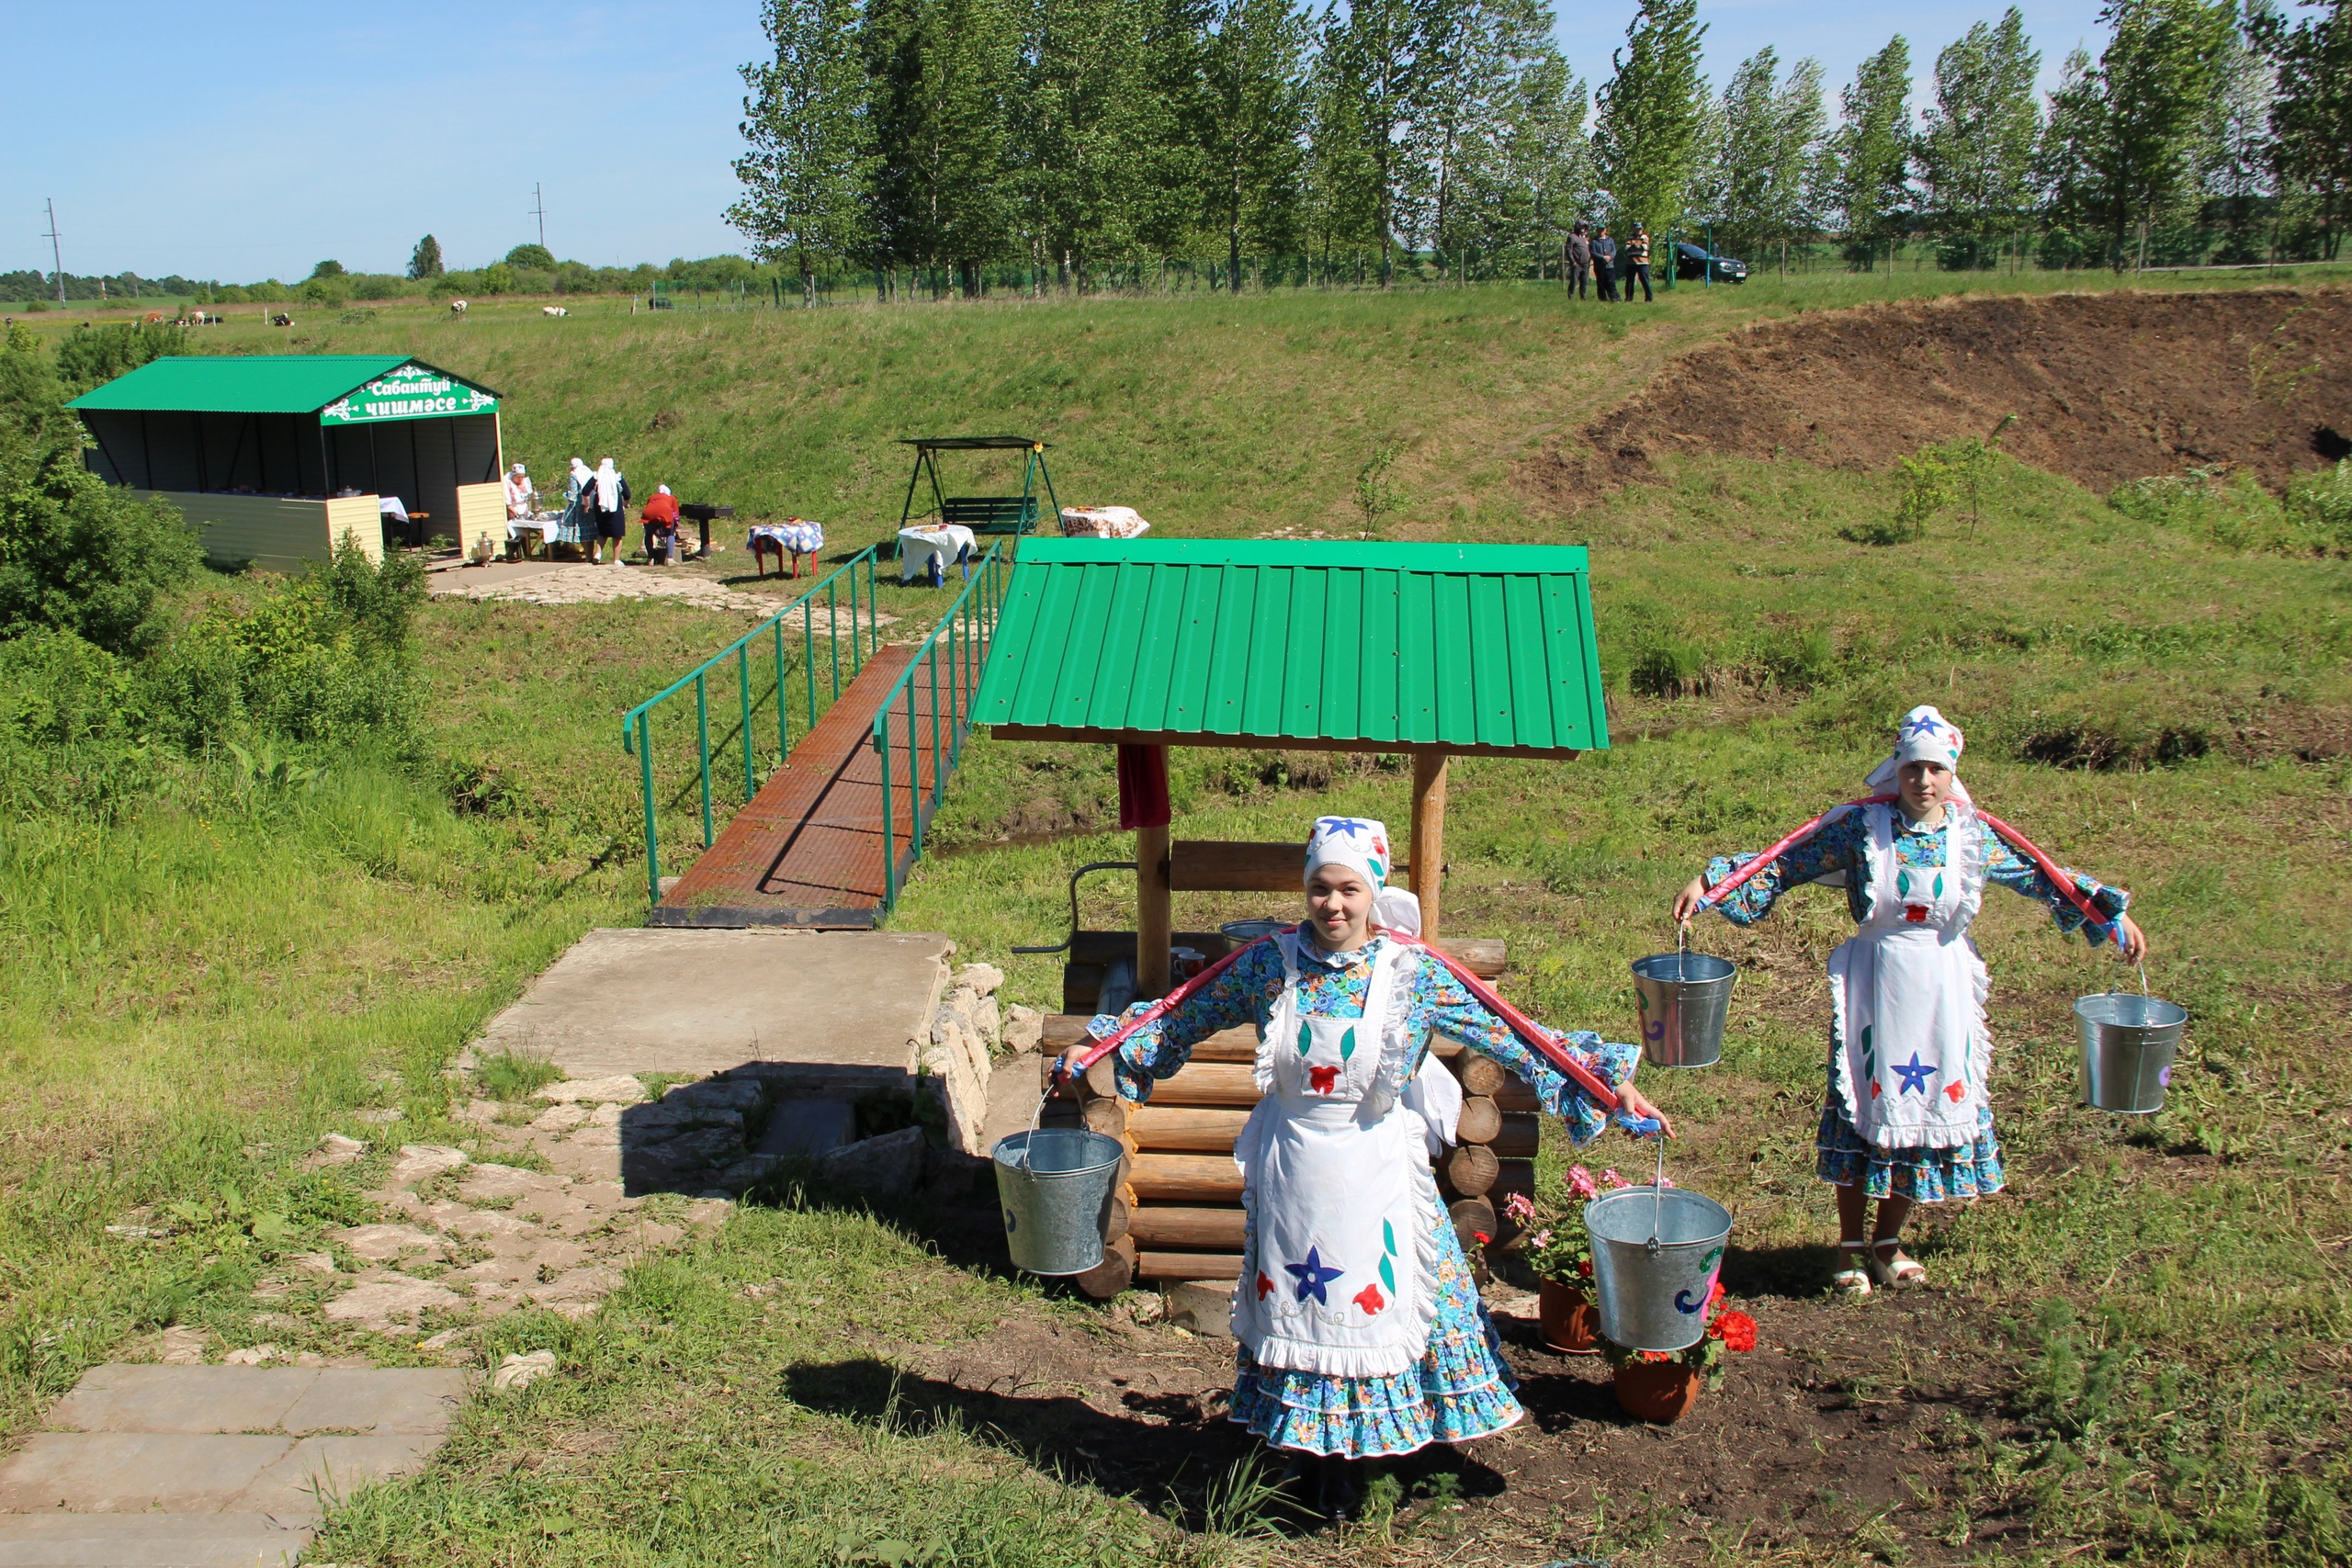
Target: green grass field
[[200, 988]]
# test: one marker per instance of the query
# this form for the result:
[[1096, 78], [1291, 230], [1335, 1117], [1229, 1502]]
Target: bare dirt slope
[[2106, 388]]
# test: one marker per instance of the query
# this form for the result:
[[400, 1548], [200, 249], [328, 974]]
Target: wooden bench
[[1014, 514]]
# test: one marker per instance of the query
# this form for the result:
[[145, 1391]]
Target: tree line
[[947, 141]]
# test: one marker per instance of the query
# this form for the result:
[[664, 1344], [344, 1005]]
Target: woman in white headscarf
[[1361, 1329], [1907, 1120], [520, 492], [606, 498]]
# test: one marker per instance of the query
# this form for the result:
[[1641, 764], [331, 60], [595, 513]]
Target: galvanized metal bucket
[[1654, 1258], [2128, 1047], [1684, 999], [1055, 1185]]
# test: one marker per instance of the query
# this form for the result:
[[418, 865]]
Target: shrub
[[320, 659], [94, 355], [78, 554], [2316, 517]]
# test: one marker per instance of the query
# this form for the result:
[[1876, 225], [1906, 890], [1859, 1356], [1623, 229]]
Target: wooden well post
[[1428, 857]]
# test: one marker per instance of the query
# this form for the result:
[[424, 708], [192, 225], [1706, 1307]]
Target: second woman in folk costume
[[1906, 1119], [1361, 1329]]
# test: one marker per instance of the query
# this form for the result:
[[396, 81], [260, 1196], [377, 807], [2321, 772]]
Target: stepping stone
[[419, 1162], [327, 1469], [212, 1467], [151, 1541], [129, 1472], [380, 1302], [182, 1399]]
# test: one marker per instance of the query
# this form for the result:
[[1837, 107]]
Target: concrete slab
[[420, 1401], [330, 1470], [816, 1013], [129, 1472], [151, 1541], [182, 1399]]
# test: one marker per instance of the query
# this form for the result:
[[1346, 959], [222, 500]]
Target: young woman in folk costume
[[1361, 1329], [1907, 1120]]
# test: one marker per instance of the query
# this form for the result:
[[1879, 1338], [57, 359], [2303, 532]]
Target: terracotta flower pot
[[1657, 1391], [1571, 1322]]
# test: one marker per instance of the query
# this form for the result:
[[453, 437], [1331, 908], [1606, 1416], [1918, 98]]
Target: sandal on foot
[[1896, 1273], [1853, 1280]]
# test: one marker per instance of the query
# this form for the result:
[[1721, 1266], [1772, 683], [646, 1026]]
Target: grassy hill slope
[[202, 988]]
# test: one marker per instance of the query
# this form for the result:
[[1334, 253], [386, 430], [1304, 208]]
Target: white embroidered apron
[[1340, 1274], [1909, 992]]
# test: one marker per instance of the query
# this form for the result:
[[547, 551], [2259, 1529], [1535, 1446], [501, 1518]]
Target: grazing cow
[[456, 307], [553, 310]]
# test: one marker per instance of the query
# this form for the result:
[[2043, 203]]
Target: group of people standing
[[1594, 257], [1361, 1331], [595, 514]]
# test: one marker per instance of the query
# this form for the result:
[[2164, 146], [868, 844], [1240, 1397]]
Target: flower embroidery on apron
[[1338, 1273], [1909, 993]]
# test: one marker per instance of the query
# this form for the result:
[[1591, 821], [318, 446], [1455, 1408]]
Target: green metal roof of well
[[241, 383], [1468, 647]]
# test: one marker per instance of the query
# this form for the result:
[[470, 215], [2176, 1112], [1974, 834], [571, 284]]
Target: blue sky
[[252, 141]]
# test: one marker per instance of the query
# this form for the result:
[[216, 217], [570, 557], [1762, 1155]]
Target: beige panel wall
[[272, 532], [361, 517], [481, 509]]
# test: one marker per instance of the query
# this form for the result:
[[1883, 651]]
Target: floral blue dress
[[1842, 1157], [1460, 1388]]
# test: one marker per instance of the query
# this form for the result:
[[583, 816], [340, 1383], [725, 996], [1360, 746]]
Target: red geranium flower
[[1656, 1356], [1738, 1331], [1481, 1238]]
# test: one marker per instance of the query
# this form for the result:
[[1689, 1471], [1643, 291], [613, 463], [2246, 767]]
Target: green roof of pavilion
[[1374, 647], [251, 383]]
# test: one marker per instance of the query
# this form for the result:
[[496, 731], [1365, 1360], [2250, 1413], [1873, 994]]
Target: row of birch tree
[[1076, 139]]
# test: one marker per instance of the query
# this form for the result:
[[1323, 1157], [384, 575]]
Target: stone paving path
[[471, 1239], [212, 1467]]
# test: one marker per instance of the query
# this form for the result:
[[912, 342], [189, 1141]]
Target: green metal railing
[[864, 635], [958, 645]]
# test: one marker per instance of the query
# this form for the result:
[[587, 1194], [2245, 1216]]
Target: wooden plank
[[1163, 1227], [1175, 1129], [1482, 955], [1185, 1179], [1155, 914], [1469, 1170], [1063, 1029], [1429, 838], [1521, 1135], [1208, 1083], [1188, 1265]]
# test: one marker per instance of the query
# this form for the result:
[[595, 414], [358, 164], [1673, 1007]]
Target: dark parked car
[[1690, 265]]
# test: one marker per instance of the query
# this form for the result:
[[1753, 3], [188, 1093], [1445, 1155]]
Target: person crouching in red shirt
[[661, 520]]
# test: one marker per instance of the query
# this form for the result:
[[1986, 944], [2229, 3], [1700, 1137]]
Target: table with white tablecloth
[[944, 543], [1103, 523]]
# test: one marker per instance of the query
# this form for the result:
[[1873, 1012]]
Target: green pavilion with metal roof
[[1425, 649], [278, 457]]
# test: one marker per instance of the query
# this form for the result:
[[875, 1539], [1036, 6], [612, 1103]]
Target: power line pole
[[539, 211], [55, 255]]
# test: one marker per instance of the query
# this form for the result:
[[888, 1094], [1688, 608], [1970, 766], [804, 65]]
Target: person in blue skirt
[[1908, 1118], [1360, 1330]]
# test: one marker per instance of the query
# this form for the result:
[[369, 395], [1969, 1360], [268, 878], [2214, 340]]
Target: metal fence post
[[743, 702], [702, 741], [889, 856], [783, 735], [645, 782]]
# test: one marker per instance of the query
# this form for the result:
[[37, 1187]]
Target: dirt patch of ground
[[1846, 1417], [2105, 388]]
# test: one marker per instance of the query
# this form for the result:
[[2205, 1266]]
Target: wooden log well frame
[[1177, 1214]]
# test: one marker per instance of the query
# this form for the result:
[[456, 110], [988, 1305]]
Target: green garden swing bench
[[1013, 514]]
